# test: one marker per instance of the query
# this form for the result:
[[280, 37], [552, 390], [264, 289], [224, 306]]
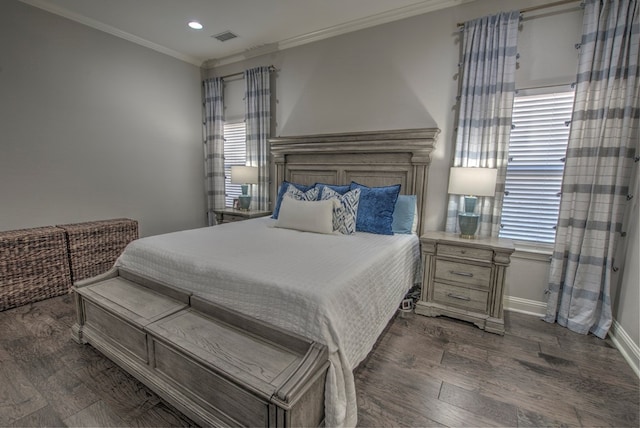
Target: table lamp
[[244, 175], [471, 182]]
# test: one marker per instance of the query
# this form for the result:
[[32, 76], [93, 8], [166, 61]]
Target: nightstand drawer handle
[[455, 272], [456, 296]]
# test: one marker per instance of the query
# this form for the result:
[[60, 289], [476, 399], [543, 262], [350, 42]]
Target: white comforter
[[336, 289]]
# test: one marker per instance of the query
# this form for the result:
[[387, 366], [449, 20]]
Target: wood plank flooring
[[422, 372]]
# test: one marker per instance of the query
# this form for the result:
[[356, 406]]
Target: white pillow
[[307, 216]]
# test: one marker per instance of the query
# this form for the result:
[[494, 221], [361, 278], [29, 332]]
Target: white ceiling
[[261, 25]]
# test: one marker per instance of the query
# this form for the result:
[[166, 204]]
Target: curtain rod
[[241, 73], [539, 7]]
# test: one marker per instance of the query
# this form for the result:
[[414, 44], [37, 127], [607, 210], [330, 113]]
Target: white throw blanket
[[336, 289]]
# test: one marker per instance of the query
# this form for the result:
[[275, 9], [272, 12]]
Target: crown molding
[[420, 8], [89, 22]]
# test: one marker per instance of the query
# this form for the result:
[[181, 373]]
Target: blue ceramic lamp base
[[244, 200], [468, 220]]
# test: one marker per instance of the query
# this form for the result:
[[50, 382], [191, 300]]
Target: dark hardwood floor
[[423, 372]]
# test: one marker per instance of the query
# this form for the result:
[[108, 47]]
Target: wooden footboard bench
[[218, 367]]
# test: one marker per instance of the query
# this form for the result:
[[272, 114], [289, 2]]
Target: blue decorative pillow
[[339, 188], [404, 214], [297, 194], [281, 191], [375, 210], [345, 212]]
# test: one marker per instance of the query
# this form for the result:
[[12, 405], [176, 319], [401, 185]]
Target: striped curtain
[[488, 72], [214, 146], [600, 159], [258, 119]]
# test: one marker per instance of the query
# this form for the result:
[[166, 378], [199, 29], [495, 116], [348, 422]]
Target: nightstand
[[464, 278], [229, 215]]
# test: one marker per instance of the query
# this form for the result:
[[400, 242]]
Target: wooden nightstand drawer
[[231, 215], [230, 218], [464, 273], [460, 297], [465, 252]]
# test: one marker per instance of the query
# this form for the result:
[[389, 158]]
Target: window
[[536, 163], [235, 153]]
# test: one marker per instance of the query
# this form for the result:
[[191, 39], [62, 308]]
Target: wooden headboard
[[379, 158]]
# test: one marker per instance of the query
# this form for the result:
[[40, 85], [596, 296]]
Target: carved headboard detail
[[378, 158]]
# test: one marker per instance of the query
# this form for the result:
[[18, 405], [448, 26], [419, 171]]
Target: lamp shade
[[244, 174], [473, 181]]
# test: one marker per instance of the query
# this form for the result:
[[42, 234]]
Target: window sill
[[533, 251]]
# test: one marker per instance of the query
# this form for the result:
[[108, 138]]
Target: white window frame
[[235, 153], [537, 149]]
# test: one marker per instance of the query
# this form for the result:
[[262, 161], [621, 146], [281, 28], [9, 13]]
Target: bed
[[335, 291]]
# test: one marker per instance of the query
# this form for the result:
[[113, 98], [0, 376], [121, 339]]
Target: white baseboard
[[629, 350], [524, 306]]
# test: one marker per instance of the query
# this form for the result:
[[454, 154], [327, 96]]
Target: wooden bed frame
[[378, 158], [216, 366]]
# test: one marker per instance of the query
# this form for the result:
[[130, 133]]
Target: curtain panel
[[214, 146], [603, 141], [258, 120], [488, 70]]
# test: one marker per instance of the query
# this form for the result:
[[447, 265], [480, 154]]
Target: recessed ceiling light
[[195, 25]]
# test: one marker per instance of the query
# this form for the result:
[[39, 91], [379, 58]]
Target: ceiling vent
[[223, 37]]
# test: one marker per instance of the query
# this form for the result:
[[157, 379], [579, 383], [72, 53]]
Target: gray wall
[[95, 127], [403, 75]]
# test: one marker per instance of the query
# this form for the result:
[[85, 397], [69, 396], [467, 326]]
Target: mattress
[[340, 290]]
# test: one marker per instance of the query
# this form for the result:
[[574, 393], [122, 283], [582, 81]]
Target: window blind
[[537, 148], [235, 153]]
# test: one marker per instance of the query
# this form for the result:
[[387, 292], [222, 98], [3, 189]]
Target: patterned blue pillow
[[339, 188], [295, 193], [375, 210], [345, 212], [281, 191]]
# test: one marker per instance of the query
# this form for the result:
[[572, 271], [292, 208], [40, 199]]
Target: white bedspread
[[336, 289]]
